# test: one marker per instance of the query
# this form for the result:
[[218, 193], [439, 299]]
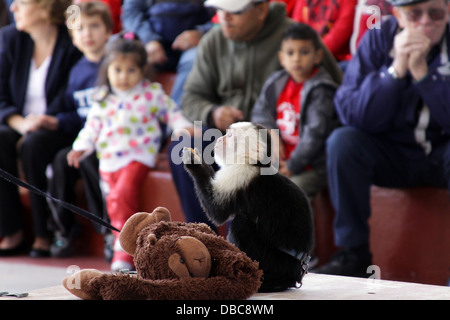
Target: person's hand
[[155, 53], [186, 40], [73, 158], [402, 44], [48, 122], [417, 61], [284, 169], [30, 123], [411, 49], [225, 116]]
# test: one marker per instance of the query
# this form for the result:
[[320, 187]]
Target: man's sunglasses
[[435, 14]]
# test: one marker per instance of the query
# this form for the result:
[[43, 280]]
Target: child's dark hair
[[125, 43], [301, 31]]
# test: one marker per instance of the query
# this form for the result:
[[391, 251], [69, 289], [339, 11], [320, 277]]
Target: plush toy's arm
[[94, 285], [79, 284], [123, 287]]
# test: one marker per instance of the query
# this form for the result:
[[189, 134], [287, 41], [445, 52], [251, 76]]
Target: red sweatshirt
[[332, 19]]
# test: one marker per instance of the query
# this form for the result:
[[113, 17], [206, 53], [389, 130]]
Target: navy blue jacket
[[16, 50], [371, 100], [78, 97], [151, 20]]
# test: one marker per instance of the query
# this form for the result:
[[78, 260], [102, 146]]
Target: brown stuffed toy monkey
[[174, 261]]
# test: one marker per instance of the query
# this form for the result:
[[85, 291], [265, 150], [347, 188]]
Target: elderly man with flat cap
[[395, 106]]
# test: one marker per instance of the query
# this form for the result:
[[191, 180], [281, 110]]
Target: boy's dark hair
[[125, 43], [301, 31], [93, 8]]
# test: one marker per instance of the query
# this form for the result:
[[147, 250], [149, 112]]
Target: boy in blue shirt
[[90, 38]]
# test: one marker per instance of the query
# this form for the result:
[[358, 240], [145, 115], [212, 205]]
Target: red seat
[[410, 233]]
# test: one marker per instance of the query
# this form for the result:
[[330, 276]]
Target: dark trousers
[[356, 160], [62, 184], [193, 211], [35, 151]]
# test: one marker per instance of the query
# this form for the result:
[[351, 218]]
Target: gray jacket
[[228, 72], [318, 117], [232, 73]]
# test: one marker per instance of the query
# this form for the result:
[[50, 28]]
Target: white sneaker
[[118, 265]]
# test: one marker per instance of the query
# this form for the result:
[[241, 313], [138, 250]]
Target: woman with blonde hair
[[36, 55]]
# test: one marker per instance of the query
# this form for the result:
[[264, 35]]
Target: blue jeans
[[357, 160], [184, 67]]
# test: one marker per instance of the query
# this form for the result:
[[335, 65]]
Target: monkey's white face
[[237, 153], [240, 145]]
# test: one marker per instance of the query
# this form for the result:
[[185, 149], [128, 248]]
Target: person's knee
[[8, 138], [342, 142], [32, 144], [447, 164], [187, 60], [59, 163]]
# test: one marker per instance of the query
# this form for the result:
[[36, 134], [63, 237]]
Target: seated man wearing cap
[[395, 106], [232, 64]]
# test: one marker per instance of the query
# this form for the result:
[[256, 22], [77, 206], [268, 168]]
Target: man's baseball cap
[[230, 5], [401, 3]]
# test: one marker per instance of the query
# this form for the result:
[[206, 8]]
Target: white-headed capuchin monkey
[[271, 216]]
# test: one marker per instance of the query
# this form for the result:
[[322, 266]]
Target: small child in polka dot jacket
[[123, 127]]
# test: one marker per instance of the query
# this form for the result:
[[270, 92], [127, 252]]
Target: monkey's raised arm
[[194, 165], [203, 175]]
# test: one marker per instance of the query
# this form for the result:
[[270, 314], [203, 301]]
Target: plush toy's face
[[169, 257], [185, 256]]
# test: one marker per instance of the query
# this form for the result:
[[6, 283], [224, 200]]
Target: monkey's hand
[[191, 156], [194, 165]]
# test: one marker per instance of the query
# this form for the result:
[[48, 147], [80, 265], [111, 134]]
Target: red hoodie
[[332, 19]]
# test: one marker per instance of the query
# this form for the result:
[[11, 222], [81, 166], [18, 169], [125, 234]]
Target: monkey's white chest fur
[[230, 179]]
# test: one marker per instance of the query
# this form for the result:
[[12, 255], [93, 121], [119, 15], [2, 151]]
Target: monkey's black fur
[[270, 214]]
